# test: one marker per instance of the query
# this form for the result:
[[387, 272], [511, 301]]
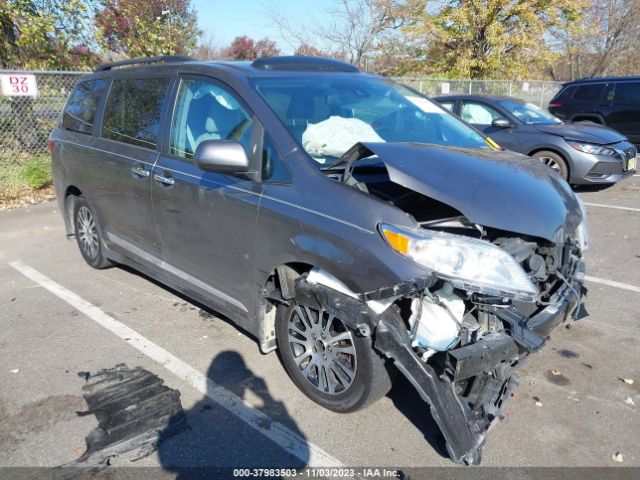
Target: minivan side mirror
[[501, 123], [221, 156]]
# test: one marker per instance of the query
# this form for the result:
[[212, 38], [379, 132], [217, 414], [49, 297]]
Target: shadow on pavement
[[214, 441], [408, 402], [592, 188]]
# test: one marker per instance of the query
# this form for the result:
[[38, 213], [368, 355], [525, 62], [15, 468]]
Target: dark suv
[[346, 220], [614, 102]]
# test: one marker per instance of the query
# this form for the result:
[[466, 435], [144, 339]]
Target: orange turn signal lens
[[399, 242]]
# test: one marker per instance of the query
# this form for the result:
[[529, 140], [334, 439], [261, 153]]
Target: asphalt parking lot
[[59, 317]]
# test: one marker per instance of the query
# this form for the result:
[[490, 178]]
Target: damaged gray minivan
[[343, 219]]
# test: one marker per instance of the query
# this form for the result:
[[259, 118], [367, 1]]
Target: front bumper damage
[[468, 387]]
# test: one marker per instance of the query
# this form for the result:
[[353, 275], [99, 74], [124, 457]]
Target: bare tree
[[353, 31], [357, 27], [619, 34], [208, 49], [604, 44]]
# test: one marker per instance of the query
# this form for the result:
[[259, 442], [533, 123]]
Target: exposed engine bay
[[458, 341]]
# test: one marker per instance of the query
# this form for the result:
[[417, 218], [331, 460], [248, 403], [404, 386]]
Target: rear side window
[[628, 92], [607, 99], [566, 92], [133, 110], [447, 105], [588, 92], [80, 112]]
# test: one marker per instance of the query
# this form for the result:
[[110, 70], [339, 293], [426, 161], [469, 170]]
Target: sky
[[223, 20]]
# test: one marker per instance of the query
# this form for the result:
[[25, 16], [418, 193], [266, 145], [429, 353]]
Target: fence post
[[542, 95], [470, 83], [420, 89], [510, 88]]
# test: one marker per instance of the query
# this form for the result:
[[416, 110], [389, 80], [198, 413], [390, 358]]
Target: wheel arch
[[71, 194], [557, 151], [592, 117], [278, 287]]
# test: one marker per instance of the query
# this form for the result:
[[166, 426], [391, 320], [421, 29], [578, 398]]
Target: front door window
[[478, 113], [207, 111]]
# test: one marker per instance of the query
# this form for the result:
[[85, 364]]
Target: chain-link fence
[[26, 122], [534, 91]]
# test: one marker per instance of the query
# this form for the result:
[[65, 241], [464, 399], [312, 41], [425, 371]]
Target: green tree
[[44, 33], [136, 28], [487, 38]]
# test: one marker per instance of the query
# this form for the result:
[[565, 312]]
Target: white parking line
[[288, 440], [611, 283], [617, 207]]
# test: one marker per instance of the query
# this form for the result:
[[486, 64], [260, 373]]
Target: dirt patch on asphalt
[[35, 417]]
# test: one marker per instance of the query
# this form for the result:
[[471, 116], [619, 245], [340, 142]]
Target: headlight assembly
[[591, 148], [468, 263]]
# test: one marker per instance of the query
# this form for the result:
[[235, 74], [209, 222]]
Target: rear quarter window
[[566, 92], [588, 91], [447, 105], [627, 93], [133, 110], [80, 113]]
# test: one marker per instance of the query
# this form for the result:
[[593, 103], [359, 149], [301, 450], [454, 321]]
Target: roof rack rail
[[300, 63], [143, 61]]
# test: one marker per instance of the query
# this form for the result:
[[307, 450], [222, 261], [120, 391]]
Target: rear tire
[[554, 161], [351, 375], [88, 235]]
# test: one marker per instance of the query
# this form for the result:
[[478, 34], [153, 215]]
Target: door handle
[[140, 172], [168, 181]]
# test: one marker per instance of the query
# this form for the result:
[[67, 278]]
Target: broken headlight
[[467, 263]]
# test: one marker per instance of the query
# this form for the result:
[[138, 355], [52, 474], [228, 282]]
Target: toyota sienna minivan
[[339, 217]]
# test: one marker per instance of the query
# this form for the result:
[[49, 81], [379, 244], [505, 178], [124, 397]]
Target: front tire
[[88, 235], [553, 161], [327, 361]]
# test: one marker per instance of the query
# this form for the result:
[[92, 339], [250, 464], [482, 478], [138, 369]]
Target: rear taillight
[[50, 145], [555, 104]]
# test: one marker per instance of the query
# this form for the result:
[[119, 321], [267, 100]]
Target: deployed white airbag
[[335, 135]]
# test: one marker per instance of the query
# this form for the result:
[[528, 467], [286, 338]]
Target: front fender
[[353, 252]]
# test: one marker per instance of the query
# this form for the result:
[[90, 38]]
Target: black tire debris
[[133, 408]]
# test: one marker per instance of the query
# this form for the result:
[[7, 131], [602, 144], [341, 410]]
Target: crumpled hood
[[503, 190], [584, 132]]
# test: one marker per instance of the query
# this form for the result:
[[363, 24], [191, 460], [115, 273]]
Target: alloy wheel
[[551, 163], [87, 232], [323, 348]]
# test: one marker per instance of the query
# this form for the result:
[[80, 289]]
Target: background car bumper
[[593, 169]]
